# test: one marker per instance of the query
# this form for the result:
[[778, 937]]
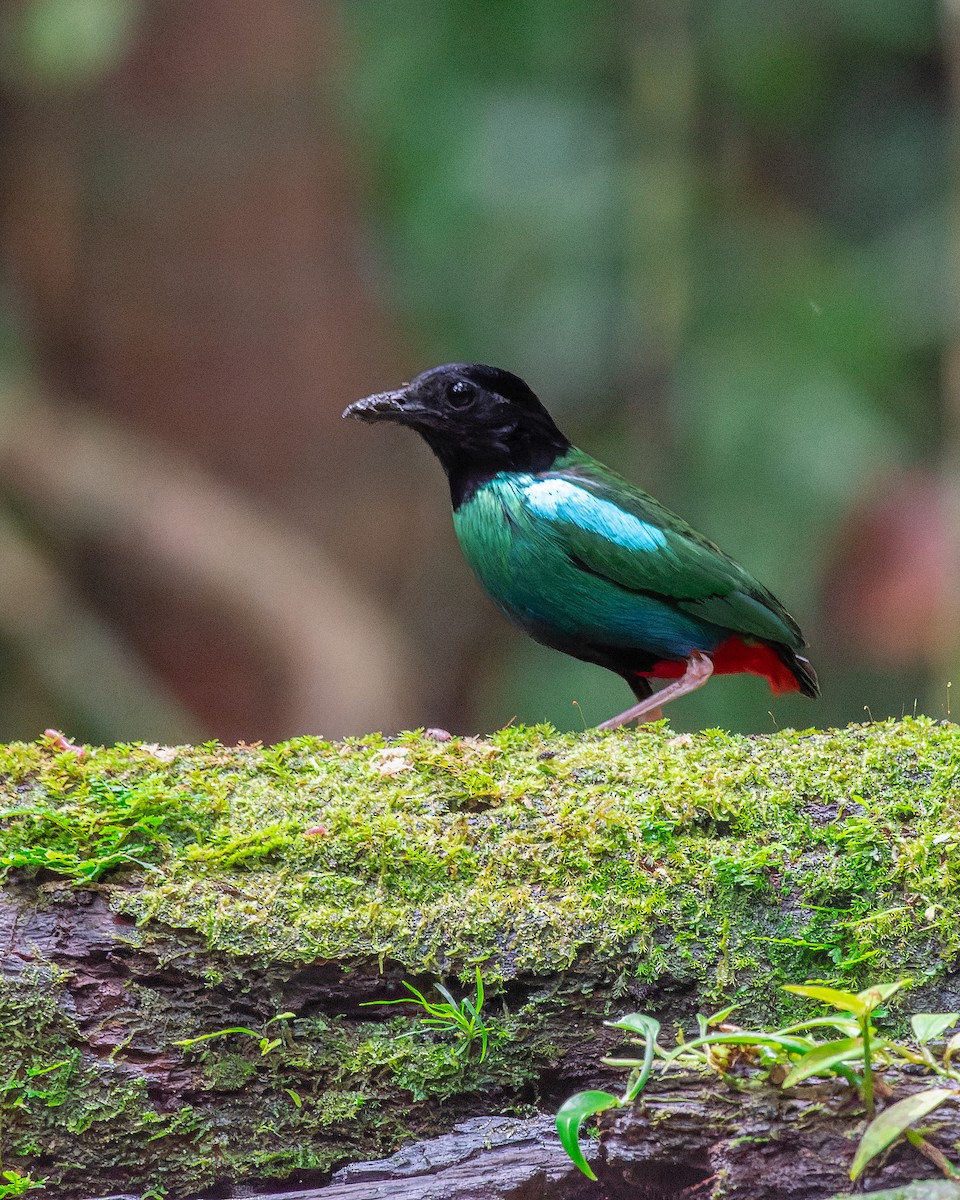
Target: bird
[[582, 560]]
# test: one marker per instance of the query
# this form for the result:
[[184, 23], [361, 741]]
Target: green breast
[[519, 560], [486, 527]]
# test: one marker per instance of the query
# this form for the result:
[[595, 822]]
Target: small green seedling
[[860, 1005], [265, 1042], [583, 1105], [854, 1056], [897, 1120], [12, 1183], [463, 1018]]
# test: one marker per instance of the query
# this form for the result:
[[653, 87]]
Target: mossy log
[[158, 896]]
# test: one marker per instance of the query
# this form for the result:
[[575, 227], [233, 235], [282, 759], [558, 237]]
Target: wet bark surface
[[120, 997], [684, 1142], [692, 1136]]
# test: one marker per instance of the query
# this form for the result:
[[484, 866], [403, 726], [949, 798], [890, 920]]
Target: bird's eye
[[462, 394]]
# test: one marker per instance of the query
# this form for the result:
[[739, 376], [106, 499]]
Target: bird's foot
[[699, 669]]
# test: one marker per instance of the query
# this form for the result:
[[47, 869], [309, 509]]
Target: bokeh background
[[718, 237]]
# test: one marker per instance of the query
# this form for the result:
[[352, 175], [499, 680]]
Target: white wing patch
[[561, 500]]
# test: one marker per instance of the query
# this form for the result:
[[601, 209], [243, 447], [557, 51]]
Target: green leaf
[[927, 1026], [951, 1048], [791, 1044], [846, 1001], [718, 1018], [824, 1058], [205, 1037], [647, 1027], [572, 1114], [375, 1003], [845, 1025], [892, 1122], [420, 997], [33, 1072], [878, 992], [448, 996]]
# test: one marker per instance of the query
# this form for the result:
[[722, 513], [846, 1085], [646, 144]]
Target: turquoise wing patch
[[618, 532]]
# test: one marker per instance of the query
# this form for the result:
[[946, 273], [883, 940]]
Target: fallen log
[[190, 934], [503, 1158]]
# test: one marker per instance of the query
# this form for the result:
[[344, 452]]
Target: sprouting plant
[[12, 1183], [577, 1109], [265, 1042], [854, 1056], [461, 1017], [861, 1039], [866, 1046]]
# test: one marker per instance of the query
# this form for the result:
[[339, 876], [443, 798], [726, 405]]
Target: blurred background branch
[[83, 482], [72, 657], [716, 237]]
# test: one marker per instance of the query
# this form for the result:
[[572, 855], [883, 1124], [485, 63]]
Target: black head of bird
[[478, 421]]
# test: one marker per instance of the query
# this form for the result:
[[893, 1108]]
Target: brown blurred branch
[[80, 660], [84, 478]]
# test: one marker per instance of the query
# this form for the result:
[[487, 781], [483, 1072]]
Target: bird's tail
[[802, 671]]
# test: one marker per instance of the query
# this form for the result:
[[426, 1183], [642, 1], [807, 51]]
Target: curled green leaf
[[571, 1116], [647, 1027]]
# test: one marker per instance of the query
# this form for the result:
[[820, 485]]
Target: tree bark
[[795, 1146], [749, 1141]]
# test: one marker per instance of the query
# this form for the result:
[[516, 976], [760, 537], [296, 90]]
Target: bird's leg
[[699, 669]]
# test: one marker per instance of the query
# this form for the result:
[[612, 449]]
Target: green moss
[[578, 870], [229, 1072], [520, 851], [53, 1094]]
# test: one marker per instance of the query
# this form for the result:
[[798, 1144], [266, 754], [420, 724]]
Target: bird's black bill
[[384, 406]]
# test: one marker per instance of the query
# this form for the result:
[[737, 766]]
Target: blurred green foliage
[[712, 235], [54, 44], [495, 134]]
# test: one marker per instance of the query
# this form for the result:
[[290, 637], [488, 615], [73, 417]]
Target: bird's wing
[[612, 529]]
